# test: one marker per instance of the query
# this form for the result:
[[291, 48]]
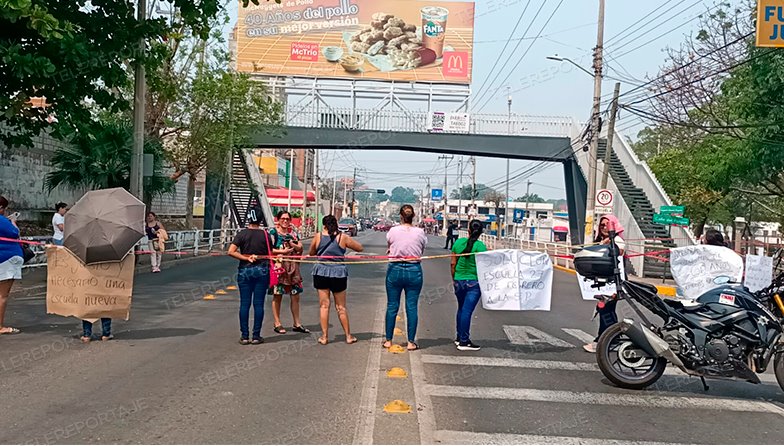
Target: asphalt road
[[176, 374]]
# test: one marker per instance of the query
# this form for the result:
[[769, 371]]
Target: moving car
[[348, 225], [383, 226]]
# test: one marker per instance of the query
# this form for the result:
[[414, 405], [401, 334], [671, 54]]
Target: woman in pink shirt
[[406, 245]]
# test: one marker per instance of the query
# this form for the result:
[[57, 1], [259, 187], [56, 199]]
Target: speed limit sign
[[604, 202]]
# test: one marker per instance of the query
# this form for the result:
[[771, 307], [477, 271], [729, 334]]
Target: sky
[[636, 35]]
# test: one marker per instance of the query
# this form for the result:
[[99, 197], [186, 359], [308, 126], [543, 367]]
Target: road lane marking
[[579, 334], [550, 365], [363, 434], [530, 336], [425, 415], [642, 399], [465, 437]]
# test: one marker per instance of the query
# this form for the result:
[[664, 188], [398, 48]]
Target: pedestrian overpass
[[390, 126]]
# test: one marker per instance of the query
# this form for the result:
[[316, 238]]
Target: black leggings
[[607, 316]]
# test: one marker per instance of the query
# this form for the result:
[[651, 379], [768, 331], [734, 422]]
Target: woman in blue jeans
[[252, 247], [406, 245], [466, 282]]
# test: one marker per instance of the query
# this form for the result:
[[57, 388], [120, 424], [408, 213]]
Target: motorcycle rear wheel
[[778, 369], [629, 373]]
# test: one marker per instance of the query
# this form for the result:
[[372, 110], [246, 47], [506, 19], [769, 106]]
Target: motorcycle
[[727, 333]]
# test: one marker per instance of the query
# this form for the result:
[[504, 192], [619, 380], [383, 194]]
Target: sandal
[[10, 331], [416, 347], [244, 342], [85, 339], [300, 329], [351, 340], [386, 344], [107, 338], [257, 341], [323, 340], [279, 329]]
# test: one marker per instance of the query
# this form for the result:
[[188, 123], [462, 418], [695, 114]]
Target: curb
[[664, 290]]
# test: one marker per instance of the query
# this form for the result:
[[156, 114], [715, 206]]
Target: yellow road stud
[[398, 318], [231, 288], [398, 332], [397, 406], [220, 292], [397, 349], [209, 297], [396, 372]]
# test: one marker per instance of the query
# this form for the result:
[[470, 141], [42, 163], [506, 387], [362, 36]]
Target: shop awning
[[279, 196]]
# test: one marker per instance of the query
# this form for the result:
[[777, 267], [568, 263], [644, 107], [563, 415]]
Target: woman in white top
[[406, 245], [58, 223]]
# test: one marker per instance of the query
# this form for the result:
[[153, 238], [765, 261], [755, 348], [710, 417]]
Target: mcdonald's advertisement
[[401, 40]]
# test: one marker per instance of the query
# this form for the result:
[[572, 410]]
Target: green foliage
[[402, 194], [97, 158], [78, 57], [532, 198]]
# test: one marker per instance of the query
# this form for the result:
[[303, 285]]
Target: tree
[[465, 192], [497, 198], [402, 194], [96, 158], [218, 112], [532, 198], [78, 57]]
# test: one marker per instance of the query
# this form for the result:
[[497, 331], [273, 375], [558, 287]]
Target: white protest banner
[[759, 272], [696, 268], [88, 292], [589, 293], [512, 279]]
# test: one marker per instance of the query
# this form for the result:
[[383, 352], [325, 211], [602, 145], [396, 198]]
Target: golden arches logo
[[455, 62]]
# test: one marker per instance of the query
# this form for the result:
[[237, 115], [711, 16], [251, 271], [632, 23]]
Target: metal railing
[[417, 121], [557, 251], [181, 243]]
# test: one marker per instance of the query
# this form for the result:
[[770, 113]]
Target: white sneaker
[[590, 347]]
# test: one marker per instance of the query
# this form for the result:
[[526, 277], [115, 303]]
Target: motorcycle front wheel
[[626, 364], [778, 369]]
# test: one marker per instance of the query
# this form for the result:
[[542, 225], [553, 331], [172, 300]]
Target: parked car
[[348, 225]]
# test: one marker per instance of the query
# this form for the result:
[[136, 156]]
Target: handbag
[[27, 253], [275, 271], [162, 237]]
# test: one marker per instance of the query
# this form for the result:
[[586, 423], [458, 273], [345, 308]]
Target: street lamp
[[557, 58]]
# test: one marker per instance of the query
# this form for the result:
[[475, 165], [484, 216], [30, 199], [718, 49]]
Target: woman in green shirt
[[466, 282]]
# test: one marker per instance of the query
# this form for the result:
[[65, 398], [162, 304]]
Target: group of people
[[266, 266]]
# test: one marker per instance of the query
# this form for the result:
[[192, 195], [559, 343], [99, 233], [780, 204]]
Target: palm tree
[[99, 158]]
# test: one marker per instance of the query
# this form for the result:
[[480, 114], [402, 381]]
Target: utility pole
[[506, 208], [316, 191], [334, 193], [446, 187], [594, 147], [527, 217], [460, 192], [610, 134], [291, 177], [353, 190], [345, 196], [428, 196], [473, 184], [305, 173], [137, 154]]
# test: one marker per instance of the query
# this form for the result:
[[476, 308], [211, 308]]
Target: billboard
[[403, 40]]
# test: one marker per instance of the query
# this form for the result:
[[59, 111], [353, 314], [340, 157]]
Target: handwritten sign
[[88, 292], [515, 280], [696, 268], [591, 293], [759, 272]]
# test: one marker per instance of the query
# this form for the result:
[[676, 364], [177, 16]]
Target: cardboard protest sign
[[88, 292], [589, 293], [516, 280], [696, 268], [759, 272]]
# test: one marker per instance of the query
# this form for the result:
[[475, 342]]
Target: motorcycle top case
[[595, 262]]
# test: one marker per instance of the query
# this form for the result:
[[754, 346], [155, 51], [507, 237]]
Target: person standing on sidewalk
[[451, 235], [406, 245], [606, 312], [58, 223], [290, 282], [11, 261], [155, 235], [466, 282], [253, 248]]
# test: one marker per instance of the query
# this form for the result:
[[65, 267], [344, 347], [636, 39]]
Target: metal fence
[[557, 251], [180, 243]]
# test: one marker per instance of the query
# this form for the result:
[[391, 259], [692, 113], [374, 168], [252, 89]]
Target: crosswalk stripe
[[465, 437], [579, 334], [527, 335], [640, 399], [545, 365]]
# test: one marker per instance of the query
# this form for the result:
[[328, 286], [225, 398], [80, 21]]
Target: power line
[[481, 93], [656, 38], [638, 21], [520, 60]]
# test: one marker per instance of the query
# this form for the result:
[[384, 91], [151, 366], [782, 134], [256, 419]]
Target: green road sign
[[666, 219], [672, 210]]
